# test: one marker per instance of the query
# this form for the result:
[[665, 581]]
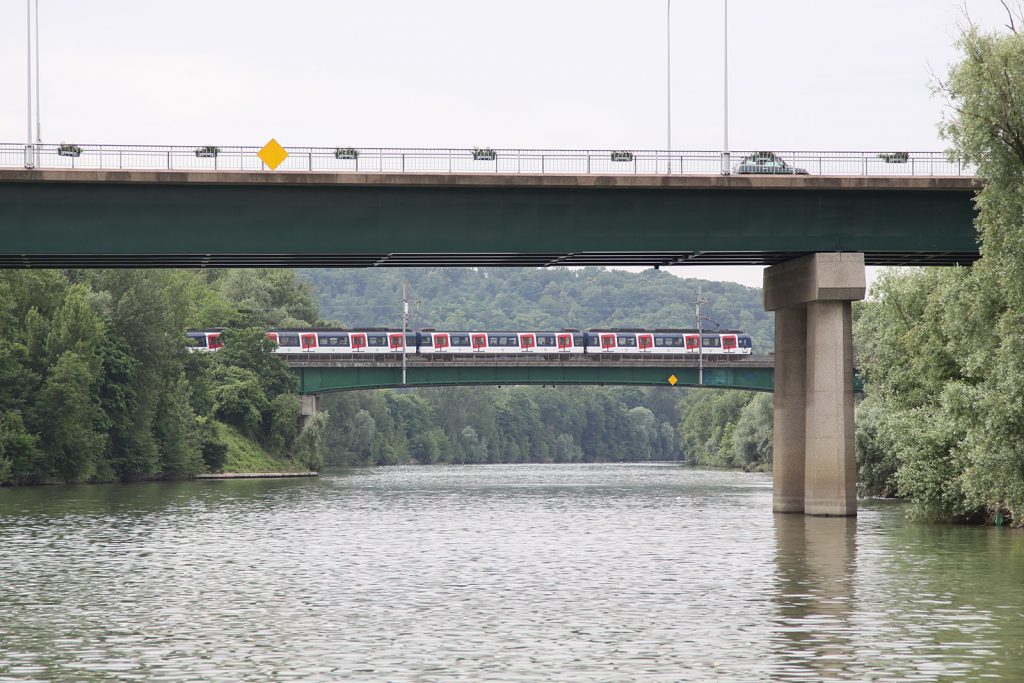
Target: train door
[[478, 341], [527, 341], [272, 336], [729, 343], [608, 342], [213, 341], [358, 341], [692, 342], [395, 341], [307, 341], [645, 342], [441, 341], [564, 342]]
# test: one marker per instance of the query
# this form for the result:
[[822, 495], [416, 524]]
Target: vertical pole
[[405, 324], [39, 127], [668, 72], [700, 340], [29, 160], [725, 99]]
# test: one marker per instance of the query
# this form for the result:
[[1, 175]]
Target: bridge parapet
[[382, 160]]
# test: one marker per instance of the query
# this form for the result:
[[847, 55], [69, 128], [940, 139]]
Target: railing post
[[120, 160], [449, 161], [403, 162], [310, 161], [588, 163], [542, 164], [168, 160]]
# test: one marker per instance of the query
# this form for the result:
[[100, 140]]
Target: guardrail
[[477, 160]]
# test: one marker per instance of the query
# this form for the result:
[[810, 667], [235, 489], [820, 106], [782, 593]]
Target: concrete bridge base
[[815, 469], [310, 407]]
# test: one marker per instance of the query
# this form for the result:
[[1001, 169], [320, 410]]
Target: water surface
[[495, 573]]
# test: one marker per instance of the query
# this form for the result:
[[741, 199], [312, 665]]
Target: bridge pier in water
[[310, 407], [815, 468]]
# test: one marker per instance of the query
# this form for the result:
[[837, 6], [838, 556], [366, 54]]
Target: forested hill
[[536, 298]]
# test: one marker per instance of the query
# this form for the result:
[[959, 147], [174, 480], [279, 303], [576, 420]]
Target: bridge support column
[[814, 467], [310, 407]]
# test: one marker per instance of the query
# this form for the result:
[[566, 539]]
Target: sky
[[825, 75]]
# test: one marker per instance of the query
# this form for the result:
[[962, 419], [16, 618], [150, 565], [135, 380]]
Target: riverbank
[[256, 475]]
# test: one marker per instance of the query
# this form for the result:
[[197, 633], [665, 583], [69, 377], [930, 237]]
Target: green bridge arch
[[320, 380]]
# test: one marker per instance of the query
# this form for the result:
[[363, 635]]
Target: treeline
[[536, 298], [940, 349], [503, 425], [96, 383]]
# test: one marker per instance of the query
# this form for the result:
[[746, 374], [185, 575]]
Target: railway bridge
[[208, 206]]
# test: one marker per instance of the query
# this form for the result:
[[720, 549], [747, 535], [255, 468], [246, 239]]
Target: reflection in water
[[495, 573], [815, 560]]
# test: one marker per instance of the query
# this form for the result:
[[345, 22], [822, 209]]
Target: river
[[495, 573]]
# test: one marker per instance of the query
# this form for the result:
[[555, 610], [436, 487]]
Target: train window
[[577, 340], [459, 340], [662, 341], [745, 343], [198, 340], [334, 340], [545, 340], [376, 340], [712, 342], [288, 339], [627, 340]]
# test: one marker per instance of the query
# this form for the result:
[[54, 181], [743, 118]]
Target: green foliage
[[543, 299], [940, 349], [708, 422], [96, 383]]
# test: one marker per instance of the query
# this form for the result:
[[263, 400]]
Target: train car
[[509, 342], [666, 341], [204, 340], [431, 341]]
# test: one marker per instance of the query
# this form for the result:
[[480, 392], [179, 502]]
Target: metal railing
[[478, 160]]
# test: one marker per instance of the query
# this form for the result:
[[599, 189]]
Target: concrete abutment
[[814, 468]]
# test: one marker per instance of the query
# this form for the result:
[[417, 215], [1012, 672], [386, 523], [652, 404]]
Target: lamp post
[[668, 71], [725, 88], [29, 156]]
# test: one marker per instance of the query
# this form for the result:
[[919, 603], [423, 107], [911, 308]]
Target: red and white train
[[429, 341]]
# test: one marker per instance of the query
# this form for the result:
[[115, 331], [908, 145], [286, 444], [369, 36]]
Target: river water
[[495, 573]]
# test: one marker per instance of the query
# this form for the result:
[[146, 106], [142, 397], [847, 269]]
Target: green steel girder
[[51, 222], [323, 380]]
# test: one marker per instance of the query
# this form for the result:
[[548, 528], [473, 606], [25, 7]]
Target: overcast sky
[[803, 74]]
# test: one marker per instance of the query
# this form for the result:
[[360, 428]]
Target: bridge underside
[[51, 219], [324, 380]]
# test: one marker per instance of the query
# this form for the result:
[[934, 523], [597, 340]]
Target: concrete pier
[[814, 469], [310, 407]]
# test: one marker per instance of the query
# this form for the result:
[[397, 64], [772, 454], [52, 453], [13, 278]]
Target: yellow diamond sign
[[672, 379], [272, 154]]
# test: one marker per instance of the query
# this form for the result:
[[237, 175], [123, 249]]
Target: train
[[431, 341]]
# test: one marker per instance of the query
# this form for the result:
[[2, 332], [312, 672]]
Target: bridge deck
[[103, 218]]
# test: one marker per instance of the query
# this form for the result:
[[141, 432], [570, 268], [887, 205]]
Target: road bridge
[[577, 212], [99, 206]]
